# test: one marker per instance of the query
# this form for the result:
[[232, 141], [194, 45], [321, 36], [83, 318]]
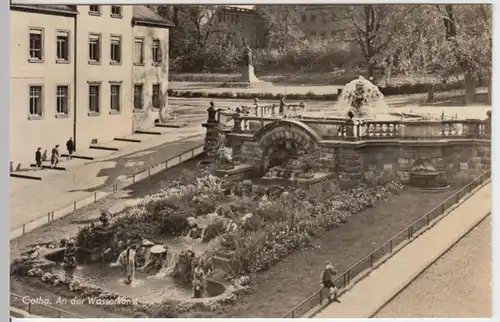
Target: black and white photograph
[[314, 160]]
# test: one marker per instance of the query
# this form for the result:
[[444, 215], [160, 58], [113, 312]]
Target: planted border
[[387, 91]]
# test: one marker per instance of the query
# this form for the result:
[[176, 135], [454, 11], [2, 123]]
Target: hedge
[[387, 91]]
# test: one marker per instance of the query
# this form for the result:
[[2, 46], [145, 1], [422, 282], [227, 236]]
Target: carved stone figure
[[247, 56]]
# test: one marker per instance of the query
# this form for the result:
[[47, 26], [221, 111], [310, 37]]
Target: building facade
[[73, 74]]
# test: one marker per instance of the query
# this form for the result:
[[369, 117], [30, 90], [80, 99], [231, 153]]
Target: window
[[313, 18], [156, 49], [156, 96], [36, 101], [115, 98], [94, 98], [138, 102], [62, 44], [138, 51], [36, 44], [94, 10], [62, 97], [94, 48], [322, 34], [116, 50], [304, 18], [116, 11]]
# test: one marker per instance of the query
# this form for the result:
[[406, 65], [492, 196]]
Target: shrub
[[214, 230]]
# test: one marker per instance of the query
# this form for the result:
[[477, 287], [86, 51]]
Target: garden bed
[[281, 224]]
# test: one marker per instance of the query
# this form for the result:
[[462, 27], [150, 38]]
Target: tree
[[374, 28], [281, 24], [454, 40]]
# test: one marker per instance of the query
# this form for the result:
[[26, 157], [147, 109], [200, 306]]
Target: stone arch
[[283, 140]]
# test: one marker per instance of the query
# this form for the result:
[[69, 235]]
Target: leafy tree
[[281, 24]]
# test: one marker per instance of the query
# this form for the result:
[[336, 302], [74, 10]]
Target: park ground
[[458, 285], [283, 286]]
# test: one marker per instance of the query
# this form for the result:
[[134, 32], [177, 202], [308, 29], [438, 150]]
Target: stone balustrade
[[376, 130]]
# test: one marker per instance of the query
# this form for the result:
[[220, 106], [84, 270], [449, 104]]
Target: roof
[[46, 8], [143, 15]]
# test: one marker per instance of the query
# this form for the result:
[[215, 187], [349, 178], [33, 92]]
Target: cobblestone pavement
[[32, 199], [456, 286], [372, 292]]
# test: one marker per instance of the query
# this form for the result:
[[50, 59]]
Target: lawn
[[296, 277], [284, 285]]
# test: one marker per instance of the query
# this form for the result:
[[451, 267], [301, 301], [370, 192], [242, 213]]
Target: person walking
[[38, 159], [327, 281], [54, 158], [70, 146]]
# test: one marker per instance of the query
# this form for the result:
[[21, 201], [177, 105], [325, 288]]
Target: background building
[[73, 74]]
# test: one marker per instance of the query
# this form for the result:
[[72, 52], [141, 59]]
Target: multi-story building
[[75, 72], [244, 24]]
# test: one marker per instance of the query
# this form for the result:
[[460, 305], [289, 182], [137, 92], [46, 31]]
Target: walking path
[[374, 291], [30, 199], [457, 285]]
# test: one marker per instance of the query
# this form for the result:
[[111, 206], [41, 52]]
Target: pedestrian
[[54, 158], [38, 158], [327, 281], [70, 146]]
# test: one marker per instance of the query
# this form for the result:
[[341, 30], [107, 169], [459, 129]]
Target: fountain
[[424, 177], [362, 98], [104, 237]]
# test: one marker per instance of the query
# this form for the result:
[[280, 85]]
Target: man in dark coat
[[70, 146], [38, 158]]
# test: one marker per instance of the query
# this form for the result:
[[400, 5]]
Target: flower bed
[[256, 225]]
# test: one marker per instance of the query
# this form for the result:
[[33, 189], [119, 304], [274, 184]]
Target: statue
[[247, 56], [70, 255], [211, 113], [126, 261]]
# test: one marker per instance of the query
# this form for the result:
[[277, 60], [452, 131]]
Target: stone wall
[[456, 158]]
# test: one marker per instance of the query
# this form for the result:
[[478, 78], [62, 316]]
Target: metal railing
[[30, 305], [108, 190], [370, 262]]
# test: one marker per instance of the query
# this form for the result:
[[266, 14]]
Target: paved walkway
[[371, 293], [457, 285], [31, 199]]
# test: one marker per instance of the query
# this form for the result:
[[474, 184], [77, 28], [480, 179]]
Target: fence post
[[442, 208], [24, 229], [427, 219], [409, 232], [371, 260], [133, 178], [48, 217], [149, 172], [320, 296], [59, 314], [29, 307], [74, 205], [390, 245], [166, 164], [293, 314]]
